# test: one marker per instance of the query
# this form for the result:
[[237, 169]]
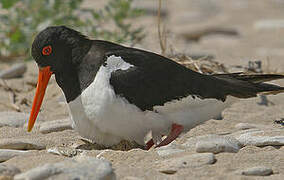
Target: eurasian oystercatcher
[[119, 93]]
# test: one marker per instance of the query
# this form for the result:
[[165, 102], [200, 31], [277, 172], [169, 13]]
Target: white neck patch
[[114, 63]]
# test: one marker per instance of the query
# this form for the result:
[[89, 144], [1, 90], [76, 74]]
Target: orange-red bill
[[43, 78]]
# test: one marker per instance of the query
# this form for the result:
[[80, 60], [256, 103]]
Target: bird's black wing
[[154, 80]]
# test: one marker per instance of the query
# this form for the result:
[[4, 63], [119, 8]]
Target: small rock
[[55, 126], [191, 142], [15, 71], [38, 173], [20, 144], [79, 168], [269, 24], [217, 144], [13, 119], [8, 170], [6, 154], [64, 151], [262, 138], [243, 126], [213, 143], [257, 171], [193, 160], [241, 132], [169, 150], [168, 171]]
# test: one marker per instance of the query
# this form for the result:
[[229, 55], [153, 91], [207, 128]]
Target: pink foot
[[175, 132], [149, 144]]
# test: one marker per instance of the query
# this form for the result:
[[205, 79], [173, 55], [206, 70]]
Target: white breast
[[99, 115]]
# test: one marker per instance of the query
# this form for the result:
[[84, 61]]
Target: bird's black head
[[57, 50], [58, 47]]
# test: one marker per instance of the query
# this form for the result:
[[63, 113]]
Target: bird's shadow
[[122, 146]]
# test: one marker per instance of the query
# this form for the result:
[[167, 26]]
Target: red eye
[[46, 50]]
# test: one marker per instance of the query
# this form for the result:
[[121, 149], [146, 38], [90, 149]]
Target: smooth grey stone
[[15, 71], [261, 138], [64, 151], [217, 144], [269, 24], [13, 119], [213, 143], [77, 168], [193, 160], [257, 171], [169, 150], [6, 154], [55, 126], [8, 170], [20, 144], [244, 126], [38, 173]]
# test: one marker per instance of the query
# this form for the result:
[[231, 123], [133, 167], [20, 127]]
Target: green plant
[[22, 19], [117, 12]]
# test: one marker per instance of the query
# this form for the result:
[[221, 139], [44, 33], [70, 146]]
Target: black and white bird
[[119, 93]]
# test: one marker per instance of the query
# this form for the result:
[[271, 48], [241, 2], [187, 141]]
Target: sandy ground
[[256, 39]]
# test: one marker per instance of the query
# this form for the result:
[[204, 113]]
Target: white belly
[[101, 116]]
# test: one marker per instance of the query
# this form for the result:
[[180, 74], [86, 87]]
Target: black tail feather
[[254, 78], [246, 85]]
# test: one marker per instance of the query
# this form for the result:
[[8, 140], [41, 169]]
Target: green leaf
[[6, 4]]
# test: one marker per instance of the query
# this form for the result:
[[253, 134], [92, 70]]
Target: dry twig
[[162, 35]]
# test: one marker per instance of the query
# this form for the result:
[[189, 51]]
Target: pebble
[[213, 143], [262, 138], [257, 171], [15, 71], [55, 126], [13, 119], [64, 151], [8, 170], [6, 154], [20, 144], [169, 150], [269, 24], [77, 168], [243, 126], [217, 144], [194, 160]]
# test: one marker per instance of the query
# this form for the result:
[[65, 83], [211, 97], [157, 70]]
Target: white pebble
[[55, 126], [20, 144], [257, 171], [79, 168]]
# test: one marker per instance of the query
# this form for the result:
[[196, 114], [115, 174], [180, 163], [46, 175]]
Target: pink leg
[[149, 144], [175, 132]]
